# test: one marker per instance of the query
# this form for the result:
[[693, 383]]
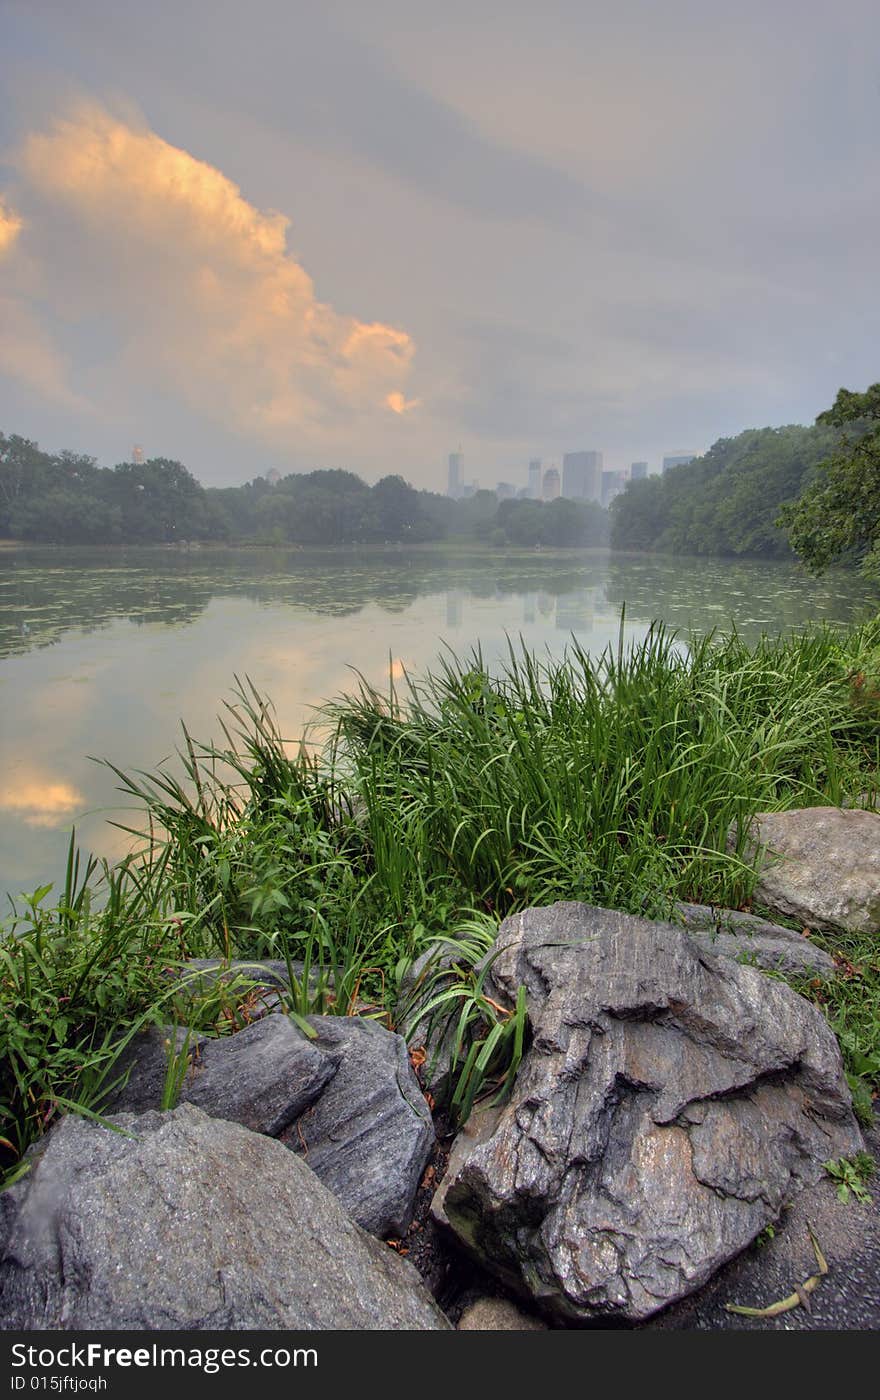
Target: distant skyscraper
[[612, 485], [680, 461], [550, 484], [273, 476], [638, 471], [535, 479], [137, 455], [456, 470], [582, 476], [504, 491]]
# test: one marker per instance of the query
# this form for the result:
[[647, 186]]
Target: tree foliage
[[68, 499], [727, 502], [837, 519]]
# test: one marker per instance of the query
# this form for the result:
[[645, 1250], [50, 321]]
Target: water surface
[[103, 652]]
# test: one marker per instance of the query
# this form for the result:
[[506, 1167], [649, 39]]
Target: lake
[[103, 652]]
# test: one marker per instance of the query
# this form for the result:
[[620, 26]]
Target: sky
[[293, 235]]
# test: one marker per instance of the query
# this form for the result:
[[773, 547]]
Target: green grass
[[444, 803]]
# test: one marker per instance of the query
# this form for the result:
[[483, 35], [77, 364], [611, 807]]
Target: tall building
[[638, 471], [137, 455], [680, 461], [504, 491], [456, 470], [582, 476], [535, 479], [273, 476], [550, 484], [612, 485]]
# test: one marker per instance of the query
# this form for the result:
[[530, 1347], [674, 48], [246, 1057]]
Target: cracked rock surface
[[369, 1135], [670, 1104], [183, 1221], [818, 864]]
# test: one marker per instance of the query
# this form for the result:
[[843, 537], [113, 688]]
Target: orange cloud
[[10, 227], [206, 297], [399, 404]]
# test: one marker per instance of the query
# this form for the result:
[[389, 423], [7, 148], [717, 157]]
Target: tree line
[[66, 498], [770, 492]]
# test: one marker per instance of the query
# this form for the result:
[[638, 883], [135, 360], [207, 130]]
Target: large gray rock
[[263, 1077], [729, 933], [670, 1104], [818, 864], [370, 1134], [143, 1068], [182, 1221], [848, 1296]]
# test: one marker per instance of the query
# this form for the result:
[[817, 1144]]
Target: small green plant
[[180, 1060], [851, 1175], [451, 1000]]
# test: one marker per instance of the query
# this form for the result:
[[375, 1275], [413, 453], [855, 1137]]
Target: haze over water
[[102, 653]]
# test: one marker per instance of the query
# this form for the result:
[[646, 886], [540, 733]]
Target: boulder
[[669, 1105], [848, 1296], [369, 1136], [729, 933], [820, 865], [143, 1065], [201, 974], [180, 1221], [262, 1077]]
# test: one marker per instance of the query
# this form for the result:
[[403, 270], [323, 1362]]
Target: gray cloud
[[647, 225]]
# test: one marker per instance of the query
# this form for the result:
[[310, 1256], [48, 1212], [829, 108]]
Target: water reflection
[[103, 652]]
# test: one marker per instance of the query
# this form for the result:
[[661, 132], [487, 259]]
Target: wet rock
[[144, 1066], [730, 933], [369, 1136], [262, 1077], [183, 1221], [820, 865], [670, 1104], [848, 1296]]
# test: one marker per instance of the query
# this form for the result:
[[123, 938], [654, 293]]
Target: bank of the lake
[[103, 652], [434, 811]]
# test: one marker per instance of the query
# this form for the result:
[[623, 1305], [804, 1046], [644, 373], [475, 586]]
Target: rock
[[848, 1296], [201, 974], [369, 1136], [818, 864], [670, 1104], [729, 933], [262, 1077], [145, 1062], [498, 1315], [182, 1221]]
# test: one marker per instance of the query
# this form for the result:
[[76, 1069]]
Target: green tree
[[837, 519]]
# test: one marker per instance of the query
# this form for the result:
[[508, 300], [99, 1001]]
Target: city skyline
[[583, 476]]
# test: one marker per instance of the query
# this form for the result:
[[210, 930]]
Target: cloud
[[194, 288], [399, 404], [10, 228]]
